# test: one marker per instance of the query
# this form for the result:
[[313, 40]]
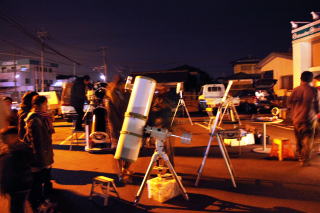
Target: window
[[316, 53], [287, 82], [246, 67], [27, 81], [4, 80], [50, 70], [214, 89]]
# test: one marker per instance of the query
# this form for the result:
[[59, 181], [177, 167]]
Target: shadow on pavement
[[69, 202], [204, 203], [76, 177], [267, 188]]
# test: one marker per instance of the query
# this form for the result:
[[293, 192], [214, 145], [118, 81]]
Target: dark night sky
[[153, 34]]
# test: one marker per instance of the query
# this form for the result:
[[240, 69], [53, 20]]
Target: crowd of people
[[26, 152]]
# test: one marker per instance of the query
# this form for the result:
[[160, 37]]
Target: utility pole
[[15, 74], [105, 63], [74, 68], [14, 70], [42, 35]]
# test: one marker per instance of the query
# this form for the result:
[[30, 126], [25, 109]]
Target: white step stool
[[104, 182]]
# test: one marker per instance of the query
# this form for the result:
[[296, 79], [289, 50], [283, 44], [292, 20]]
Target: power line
[[31, 52], [33, 37]]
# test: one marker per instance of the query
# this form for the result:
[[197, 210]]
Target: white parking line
[[202, 125], [69, 137]]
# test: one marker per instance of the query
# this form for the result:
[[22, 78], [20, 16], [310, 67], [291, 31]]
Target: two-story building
[[306, 49], [280, 65], [25, 75], [246, 65]]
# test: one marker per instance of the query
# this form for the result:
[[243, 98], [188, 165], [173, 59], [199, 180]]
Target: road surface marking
[[202, 125], [71, 136]]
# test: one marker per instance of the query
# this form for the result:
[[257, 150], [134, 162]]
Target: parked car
[[211, 96], [261, 99]]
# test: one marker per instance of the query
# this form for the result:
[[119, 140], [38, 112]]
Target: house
[[279, 67], [191, 78], [306, 49], [246, 65]]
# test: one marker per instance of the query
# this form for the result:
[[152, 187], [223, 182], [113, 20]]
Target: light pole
[[42, 35], [105, 63]]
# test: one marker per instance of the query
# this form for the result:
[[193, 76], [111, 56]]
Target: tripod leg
[[236, 113], [223, 113], [185, 107], [227, 160], [146, 176], [175, 112], [173, 172], [203, 161]]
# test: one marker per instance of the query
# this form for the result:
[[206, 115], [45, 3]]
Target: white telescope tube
[[135, 119]]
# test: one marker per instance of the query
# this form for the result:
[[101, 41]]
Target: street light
[[294, 24], [102, 77], [315, 15]]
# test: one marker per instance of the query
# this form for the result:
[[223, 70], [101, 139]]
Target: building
[[246, 65], [306, 49], [279, 67], [191, 78], [25, 75]]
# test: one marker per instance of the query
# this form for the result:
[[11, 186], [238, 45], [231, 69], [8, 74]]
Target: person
[[39, 130], [316, 84], [304, 106], [25, 108], [116, 107], [160, 116], [13, 117], [4, 115], [78, 97], [15, 169]]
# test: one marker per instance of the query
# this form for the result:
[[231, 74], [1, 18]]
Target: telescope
[[96, 116], [135, 119]]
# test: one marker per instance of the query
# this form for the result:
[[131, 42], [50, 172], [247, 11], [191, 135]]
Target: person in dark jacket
[[304, 106], [39, 130], [117, 104], [15, 169], [23, 112], [78, 97]]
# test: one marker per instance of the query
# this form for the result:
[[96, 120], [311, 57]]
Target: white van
[[211, 95]]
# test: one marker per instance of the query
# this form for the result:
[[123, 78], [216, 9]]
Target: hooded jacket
[[39, 137]]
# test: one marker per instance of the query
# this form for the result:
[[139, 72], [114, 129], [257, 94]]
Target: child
[[38, 135], [15, 170]]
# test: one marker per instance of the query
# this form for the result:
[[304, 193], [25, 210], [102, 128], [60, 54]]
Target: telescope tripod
[[160, 154], [216, 133], [181, 103]]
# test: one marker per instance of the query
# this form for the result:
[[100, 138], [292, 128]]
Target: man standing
[[78, 96], [304, 106]]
